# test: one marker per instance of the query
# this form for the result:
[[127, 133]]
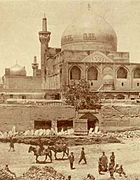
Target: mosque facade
[[88, 51]]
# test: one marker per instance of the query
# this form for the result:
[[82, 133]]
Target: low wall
[[120, 116], [23, 116]]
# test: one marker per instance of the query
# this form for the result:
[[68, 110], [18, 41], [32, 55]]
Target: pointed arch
[[120, 96], [136, 73], [92, 73], [122, 73], [75, 73]]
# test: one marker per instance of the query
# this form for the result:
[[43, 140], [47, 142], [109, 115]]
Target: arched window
[[137, 73], [92, 73], [122, 73], [75, 73], [120, 96]]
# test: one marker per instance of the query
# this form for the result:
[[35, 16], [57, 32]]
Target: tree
[[80, 96]]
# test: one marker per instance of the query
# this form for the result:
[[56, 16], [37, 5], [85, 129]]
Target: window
[[75, 73], [91, 83], [138, 84], [137, 73], [23, 97], [11, 96], [122, 83], [42, 124], [122, 73], [92, 73], [89, 36]]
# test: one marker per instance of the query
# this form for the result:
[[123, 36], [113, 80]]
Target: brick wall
[[23, 116]]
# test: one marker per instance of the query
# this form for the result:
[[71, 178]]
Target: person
[[111, 170], [100, 165], [9, 171], [82, 157], [71, 160], [41, 146], [11, 144], [104, 162], [69, 178], [112, 159], [120, 170]]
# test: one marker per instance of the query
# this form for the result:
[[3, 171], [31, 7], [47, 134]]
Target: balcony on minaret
[[44, 35]]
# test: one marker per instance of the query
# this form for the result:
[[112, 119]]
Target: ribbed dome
[[89, 32], [17, 70]]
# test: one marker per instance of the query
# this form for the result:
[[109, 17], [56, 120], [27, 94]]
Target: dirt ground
[[126, 153]]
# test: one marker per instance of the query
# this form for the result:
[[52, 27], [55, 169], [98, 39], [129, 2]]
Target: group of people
[[104, 166], [82, 157]]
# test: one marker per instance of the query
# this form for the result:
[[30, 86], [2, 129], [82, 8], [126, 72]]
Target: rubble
[[38, 173], [4, 175]]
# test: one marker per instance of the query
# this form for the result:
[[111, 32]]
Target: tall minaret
[[44, 37]]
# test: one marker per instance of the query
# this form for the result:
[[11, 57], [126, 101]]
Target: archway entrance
[[92, 120]]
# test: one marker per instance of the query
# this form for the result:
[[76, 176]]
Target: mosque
[[88, 51]]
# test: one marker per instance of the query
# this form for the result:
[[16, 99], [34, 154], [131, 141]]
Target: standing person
[[112, 159], [104, 162], [82, 157], [71, 160], [11, 144], [111, 170], [41, 146], [100, 165]]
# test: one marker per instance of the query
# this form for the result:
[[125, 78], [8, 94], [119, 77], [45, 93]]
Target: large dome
[[89, 32], [17, 70]]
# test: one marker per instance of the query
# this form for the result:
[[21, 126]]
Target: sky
[[20, 22]]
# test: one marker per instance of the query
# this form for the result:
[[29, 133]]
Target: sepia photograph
[[69, 90]]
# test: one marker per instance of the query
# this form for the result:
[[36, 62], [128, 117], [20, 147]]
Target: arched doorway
[[122, 73], [92, 120], [57, 96], [75, 73], [92, 73], [137, 73]]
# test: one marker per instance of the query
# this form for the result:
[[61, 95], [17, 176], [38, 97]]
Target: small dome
[[89, 32], [108, 79], [17, 70]]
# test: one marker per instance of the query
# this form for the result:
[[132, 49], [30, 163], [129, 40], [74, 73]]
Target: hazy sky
[[20, 22]]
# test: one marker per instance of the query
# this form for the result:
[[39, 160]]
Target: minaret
[[44, 37], [35, 67]]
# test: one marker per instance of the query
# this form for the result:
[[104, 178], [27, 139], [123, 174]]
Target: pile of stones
[[37, 173], [4, 175]]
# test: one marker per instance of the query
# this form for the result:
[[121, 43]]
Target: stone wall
[[23, 116], [120, 116]]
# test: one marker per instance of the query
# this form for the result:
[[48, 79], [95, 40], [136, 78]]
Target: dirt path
[[126, 154]]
